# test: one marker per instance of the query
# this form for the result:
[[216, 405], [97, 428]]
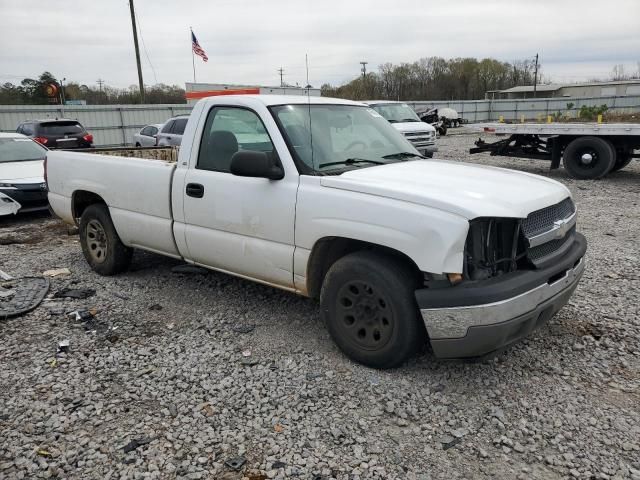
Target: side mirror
[[248, 163]]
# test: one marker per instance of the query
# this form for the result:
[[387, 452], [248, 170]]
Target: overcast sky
[[248, 40]]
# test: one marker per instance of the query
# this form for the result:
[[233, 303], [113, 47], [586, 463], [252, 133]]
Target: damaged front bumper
[[8, 206], [482, 317]]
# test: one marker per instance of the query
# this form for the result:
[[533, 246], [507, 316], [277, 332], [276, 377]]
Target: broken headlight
[[494, 247]]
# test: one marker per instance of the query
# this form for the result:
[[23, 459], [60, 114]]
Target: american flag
[[197, 49]]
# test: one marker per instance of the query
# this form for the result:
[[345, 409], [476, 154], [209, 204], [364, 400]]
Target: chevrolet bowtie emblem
[[561, 227]]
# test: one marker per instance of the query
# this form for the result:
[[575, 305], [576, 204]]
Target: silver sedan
[[146, 137]]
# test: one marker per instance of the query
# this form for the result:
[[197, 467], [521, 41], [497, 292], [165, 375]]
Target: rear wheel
[[102, 248], [622, 160], [367, 302], [138, 144], [589, 158]]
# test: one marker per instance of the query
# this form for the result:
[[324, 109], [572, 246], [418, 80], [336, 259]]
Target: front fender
[[432, 238]]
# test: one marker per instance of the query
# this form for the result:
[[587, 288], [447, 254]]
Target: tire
[[443, 130], [138, 144], [587, 158], [367, 302], [622, 160], [101, 245]]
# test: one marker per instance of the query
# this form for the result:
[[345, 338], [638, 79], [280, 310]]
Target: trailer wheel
[[622, 160], [588, 158]]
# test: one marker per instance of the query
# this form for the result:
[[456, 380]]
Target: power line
[[100, 83]]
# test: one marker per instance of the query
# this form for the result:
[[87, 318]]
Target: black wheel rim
[[364, 316], [96, 239]]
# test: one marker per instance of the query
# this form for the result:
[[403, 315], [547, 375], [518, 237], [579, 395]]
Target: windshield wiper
[[350, 161], [402, 155], [410, 120]]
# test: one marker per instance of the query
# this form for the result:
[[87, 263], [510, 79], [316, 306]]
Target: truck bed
[[548, 129], [137, 190]]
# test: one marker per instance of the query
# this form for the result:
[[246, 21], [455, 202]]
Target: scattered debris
[[44, 453], [235, 463], [136, 443], [189, 269], [77, 293], [243, 328], [278, 464], [20, 295], [278, 428], [81, 315], [246, 353], [56, 272], [5, 276], [63, 346], [155, 307]]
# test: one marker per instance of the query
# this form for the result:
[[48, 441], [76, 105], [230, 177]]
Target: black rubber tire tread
[[622, 160], [606, 160], [443, 130], [118, 256], [392, 276]]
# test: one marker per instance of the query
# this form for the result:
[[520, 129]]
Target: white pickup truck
[[324, 198]]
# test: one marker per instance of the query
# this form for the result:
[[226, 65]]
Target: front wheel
[[102, 248], [367, 302], [587, 158]]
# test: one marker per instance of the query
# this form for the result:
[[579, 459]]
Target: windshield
[[20, 150], [329, 137], [396, 112], [61, 128]]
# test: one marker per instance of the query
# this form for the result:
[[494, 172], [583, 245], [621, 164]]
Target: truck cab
[[406, 121]]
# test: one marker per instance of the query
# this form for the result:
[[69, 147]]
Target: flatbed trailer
[[587, 150]]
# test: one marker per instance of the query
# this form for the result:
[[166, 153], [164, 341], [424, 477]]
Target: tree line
[[34, 92], [436, 78]]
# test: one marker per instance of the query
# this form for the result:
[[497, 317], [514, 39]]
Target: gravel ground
[[181, 373]]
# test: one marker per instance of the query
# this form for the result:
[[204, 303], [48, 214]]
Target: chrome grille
[[420, 138], [542, 220], [554, 247]]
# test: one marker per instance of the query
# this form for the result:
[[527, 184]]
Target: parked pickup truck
[[324, 198]]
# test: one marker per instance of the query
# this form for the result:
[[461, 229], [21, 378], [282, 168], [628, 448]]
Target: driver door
[[239, 224]]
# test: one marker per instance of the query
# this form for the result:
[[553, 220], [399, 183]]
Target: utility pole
[[135, 44], [281, 72], [364, 69], [535, 78]]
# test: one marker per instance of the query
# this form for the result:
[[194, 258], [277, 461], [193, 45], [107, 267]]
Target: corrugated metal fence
[[115, 125], [111, 125]]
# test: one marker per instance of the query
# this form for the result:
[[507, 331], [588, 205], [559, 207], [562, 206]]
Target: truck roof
[[270, 100]]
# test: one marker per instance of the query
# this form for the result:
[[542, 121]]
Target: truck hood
[[413, 127], [22, 172], [464, 189]]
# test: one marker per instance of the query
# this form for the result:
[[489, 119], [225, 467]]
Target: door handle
[[195, 190]]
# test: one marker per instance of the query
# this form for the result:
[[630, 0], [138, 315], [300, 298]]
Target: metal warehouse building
[[596, 89]]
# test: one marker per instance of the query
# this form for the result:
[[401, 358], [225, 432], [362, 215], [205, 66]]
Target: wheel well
[[329, 250], [81, 200]]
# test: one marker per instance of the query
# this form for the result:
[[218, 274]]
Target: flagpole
[[193, 58]]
